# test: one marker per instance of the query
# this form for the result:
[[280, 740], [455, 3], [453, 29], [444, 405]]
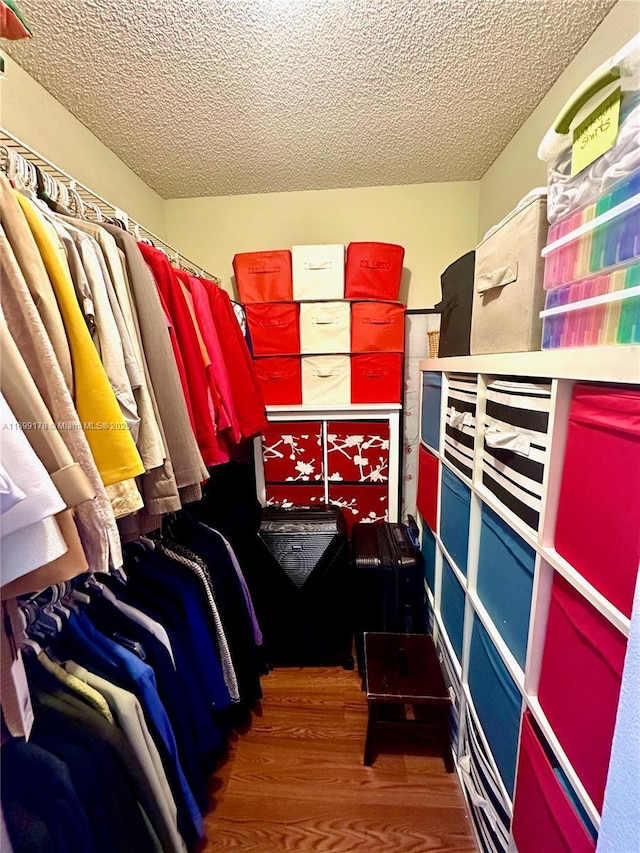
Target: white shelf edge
[[544, 725], [337, 407], [515, 670], [599, 602], [459, 574], [590, 364], [450, 650]]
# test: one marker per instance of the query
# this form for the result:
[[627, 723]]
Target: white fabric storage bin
[[326, 380], [507, 292], [318, 272], [325, 327]]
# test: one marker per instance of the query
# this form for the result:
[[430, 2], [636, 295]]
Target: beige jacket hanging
[[95, 518]]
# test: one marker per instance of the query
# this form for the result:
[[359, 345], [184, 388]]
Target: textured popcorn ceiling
[[217, 97]]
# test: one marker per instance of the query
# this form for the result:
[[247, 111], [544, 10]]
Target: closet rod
[[108, 210]]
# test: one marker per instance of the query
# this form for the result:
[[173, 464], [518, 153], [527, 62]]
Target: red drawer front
[[274, 327], [427, 497], [601, 481], [377, 327], [580, 683], [293, 494], [280, 380], [360, 503], [264, 276], [543, 816], [358, 451], [376, 378], [293, 451], [373, 271]]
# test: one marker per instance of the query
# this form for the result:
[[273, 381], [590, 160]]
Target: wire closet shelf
[[96, 206]]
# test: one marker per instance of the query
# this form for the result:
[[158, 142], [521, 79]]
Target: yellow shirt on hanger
[[106, 430]]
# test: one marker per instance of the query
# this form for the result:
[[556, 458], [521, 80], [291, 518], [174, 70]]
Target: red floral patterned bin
[[360, 503], [358, 452], [289, 495], [292, 452]]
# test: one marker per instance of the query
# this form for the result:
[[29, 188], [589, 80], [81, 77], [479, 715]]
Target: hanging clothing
[[95, 519], [113, 448]]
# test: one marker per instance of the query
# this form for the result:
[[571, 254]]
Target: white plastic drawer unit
[[318, 272], [516, 443], [325, 327], [326, 380]]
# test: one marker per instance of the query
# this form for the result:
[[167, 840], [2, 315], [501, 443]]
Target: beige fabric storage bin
[[318, 272], [325, 327], [507, 293], [326, 380]]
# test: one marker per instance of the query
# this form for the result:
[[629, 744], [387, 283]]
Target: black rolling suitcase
[[388, 582], [307, 619]]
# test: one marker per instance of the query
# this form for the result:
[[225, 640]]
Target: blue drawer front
[[429, 554], [497, 702], [505, 581], [431, 402], [455, 504], [452, 606]]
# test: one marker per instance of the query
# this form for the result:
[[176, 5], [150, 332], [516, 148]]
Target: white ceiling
[[219, 97]]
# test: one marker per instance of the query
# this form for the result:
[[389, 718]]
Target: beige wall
[[434, 222], [29, 112], [517, 170]]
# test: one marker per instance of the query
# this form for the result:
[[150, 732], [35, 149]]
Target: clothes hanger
[[96, 211], [75, 201]]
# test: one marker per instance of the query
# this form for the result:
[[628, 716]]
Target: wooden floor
[[296, 782]]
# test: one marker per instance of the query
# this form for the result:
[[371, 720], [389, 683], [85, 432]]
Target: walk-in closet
[[320, 440]]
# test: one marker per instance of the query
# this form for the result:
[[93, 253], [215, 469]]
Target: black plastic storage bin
[[455, 307]]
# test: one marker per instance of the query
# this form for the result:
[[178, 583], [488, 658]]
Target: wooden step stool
[[403, 670]]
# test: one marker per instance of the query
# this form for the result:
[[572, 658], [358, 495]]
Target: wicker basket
[[434, 340]]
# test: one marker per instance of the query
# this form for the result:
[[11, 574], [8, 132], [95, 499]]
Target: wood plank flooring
[[295, 780]]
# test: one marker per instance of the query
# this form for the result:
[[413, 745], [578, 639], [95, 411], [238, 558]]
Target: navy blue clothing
[[41, 808], [183, 702], [89, 647], [231, 603]]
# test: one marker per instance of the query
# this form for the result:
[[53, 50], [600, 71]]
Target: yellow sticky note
[[596, 134]]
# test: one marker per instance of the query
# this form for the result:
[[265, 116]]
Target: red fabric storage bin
[[293, 451], [360, 503], [377, 327], [598, 523], [357, 451], [280, 380], [543, 817], [264, 276], [580, 683], [376, 378], [427, 497], [274, 327], [293, 494], [373, 271]]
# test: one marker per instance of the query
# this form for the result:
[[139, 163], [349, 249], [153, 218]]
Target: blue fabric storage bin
[[431, 401], [429, 554], [497, 701], [455, 505], [505, 581], [452, 600]]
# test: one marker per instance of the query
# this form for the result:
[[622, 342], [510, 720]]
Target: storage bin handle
[[324, 374], [479, 802], [502, 440], [318, 265], [262, 270], [375, 265], [497, 278], [325, 321], [377, 321], [604, 75], [460, 419]]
